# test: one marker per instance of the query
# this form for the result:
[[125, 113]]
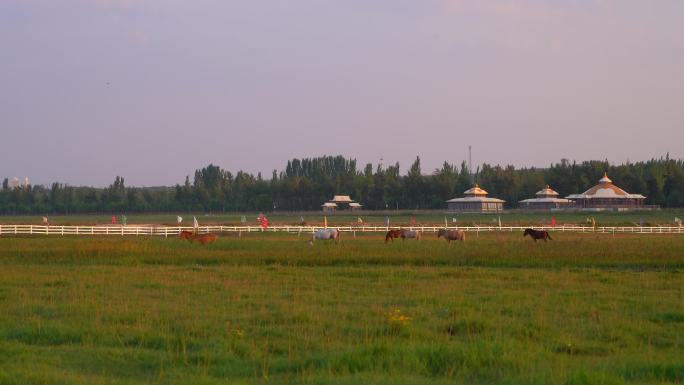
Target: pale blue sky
[[151, 90]]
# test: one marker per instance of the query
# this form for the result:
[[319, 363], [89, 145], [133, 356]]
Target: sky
[[153, 89]]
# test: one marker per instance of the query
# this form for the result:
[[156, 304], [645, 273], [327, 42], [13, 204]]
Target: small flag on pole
[[179, 219], [553, 221], [113, 219], [195, 224]]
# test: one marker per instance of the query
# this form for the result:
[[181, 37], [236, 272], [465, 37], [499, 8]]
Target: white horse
[[411, 234], [325, 235]]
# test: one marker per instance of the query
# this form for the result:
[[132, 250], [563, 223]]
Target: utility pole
[[470, 164]]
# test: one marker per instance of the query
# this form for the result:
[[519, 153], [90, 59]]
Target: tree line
[[304, 184]]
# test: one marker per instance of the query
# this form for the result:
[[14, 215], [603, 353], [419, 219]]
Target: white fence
[[175, 230]]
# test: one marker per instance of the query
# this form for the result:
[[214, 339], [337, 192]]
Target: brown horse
[[538, 234], [186, 235], [204, 239], [394, 234], [452, 235]]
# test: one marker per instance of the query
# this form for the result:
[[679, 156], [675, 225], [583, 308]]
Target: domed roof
[[546, 192], [605, 189], [475, 191]]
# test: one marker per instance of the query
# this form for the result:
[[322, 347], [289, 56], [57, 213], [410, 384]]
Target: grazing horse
[[393, 234], [204, 239], [186, 235], [325, 235], [452, 235], [538, 234], [410, 234]]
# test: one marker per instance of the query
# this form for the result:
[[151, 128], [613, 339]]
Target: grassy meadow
[[270, 309], [665, 217]]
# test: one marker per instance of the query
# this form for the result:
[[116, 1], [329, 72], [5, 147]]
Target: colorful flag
[[113, 219], [195, 224], [553, 221], [179, 219]]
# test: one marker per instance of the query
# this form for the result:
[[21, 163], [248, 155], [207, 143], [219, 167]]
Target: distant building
[[341, 202], [546, 199], [606, 195], [475, 200], [329, 206]]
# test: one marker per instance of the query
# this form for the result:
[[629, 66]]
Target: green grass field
[[665, 217], [268, 308]]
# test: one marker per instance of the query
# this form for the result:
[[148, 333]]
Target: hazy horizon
[[152, 90]]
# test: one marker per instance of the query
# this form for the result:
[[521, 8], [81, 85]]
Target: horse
[[452, 235], [538, 234], [393, 234], [186, 235], [325, 235], [410, 234], [204, 239]]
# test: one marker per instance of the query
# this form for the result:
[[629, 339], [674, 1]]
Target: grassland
[[584, 309], [343, 218]]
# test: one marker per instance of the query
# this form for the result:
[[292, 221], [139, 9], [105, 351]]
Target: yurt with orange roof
[[475, 200], [545, 199], [606, 195]]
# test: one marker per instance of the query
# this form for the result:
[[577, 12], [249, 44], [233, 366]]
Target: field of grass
[[268, 308], [515, 218]]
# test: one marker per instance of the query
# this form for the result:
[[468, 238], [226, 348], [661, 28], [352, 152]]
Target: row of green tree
[[305, 184]]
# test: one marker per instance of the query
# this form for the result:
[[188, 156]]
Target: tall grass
[[584, 309]]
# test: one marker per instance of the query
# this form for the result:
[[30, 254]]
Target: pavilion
[[341, 202], [546, 199], [475, 200], [606, 195]]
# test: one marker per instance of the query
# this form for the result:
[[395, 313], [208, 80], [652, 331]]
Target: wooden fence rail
[[167, 231]]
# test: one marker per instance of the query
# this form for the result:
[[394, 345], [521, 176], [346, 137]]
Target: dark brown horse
[[452, 235], [538, 234], [394, 234], [186, 235]]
